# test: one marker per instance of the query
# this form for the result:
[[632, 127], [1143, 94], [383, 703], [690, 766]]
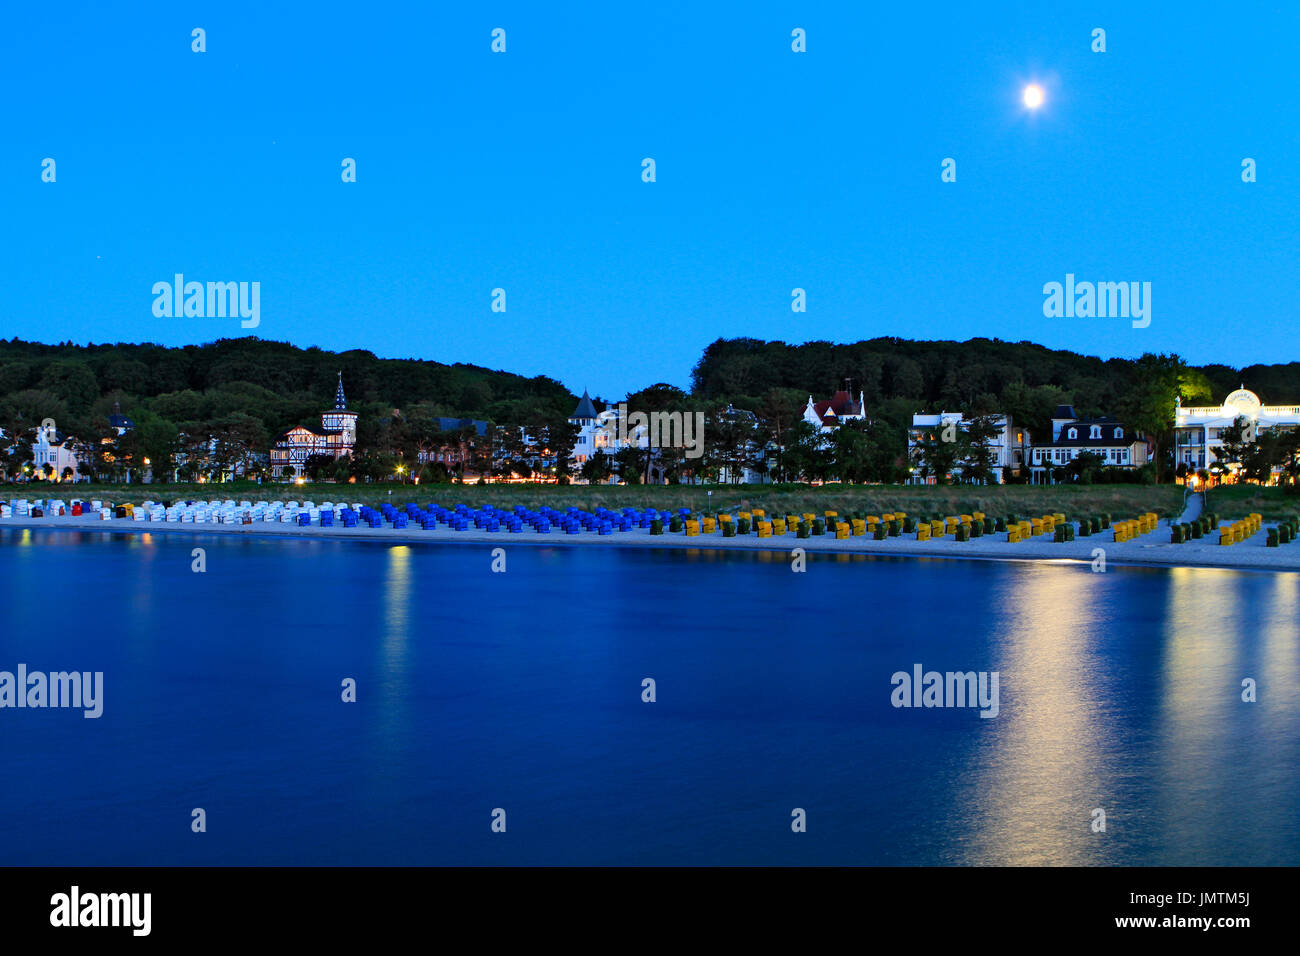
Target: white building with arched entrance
[[1198, 430]]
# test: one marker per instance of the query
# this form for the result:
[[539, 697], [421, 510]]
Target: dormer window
[[1072, 434], [1119, 433], [1094, 432]]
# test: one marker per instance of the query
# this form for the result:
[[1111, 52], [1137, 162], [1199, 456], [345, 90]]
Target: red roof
[[841, 403]]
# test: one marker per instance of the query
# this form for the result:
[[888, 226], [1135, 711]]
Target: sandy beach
[[1152, 549]]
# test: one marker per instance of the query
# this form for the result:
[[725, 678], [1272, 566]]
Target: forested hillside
[[273, 382], [899, 377]]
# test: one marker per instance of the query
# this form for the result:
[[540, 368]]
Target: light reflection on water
[[1038, 776], [1119, 691]]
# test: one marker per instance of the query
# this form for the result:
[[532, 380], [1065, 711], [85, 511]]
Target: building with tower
[[597, 431], [336, 437]]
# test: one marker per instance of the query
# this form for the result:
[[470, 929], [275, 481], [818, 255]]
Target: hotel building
[[1007, 446], [1108, 438], [1198, 429]]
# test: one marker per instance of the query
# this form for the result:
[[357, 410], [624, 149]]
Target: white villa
[[1008, 446], [599, 432], [827, 416], [51, 455], [1198, 430]]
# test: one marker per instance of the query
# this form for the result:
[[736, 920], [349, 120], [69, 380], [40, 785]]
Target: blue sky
[[775, 170]]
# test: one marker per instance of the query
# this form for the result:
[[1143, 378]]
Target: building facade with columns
[[1198, 429]]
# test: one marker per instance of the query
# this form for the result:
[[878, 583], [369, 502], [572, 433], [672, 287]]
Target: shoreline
[[1151, 550]]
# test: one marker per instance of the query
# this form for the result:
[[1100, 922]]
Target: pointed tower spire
[[340, 403], [585, 410]]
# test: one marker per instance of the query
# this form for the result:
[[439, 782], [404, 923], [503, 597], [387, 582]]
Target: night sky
[[775, 170]]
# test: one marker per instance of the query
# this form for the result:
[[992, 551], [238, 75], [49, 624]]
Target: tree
[[1235, 438], [779, 411], [936, 454], [15, 441], [1281, 450], [629, 462], [1149, 404], [734, 439], [72, 381], [1085, 468], [238, 438], [886, 448], [851, 452], [975, 451], [194, 457], [597, 468], [317, 466], [1260, 458], [157, 440], [806, 454], [561, 436]]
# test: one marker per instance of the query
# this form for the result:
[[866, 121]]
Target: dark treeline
[[274, 381], [242, 392], [899, 377], [277, 382]]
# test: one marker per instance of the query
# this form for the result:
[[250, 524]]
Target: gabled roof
[[839, 405], [325, 432]]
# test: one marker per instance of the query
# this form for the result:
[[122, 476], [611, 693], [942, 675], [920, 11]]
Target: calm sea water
[[522, 691]]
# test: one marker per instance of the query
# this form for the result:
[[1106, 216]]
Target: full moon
[[1033, 96]]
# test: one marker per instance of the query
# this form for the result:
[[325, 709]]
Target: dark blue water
[[522, 691]]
